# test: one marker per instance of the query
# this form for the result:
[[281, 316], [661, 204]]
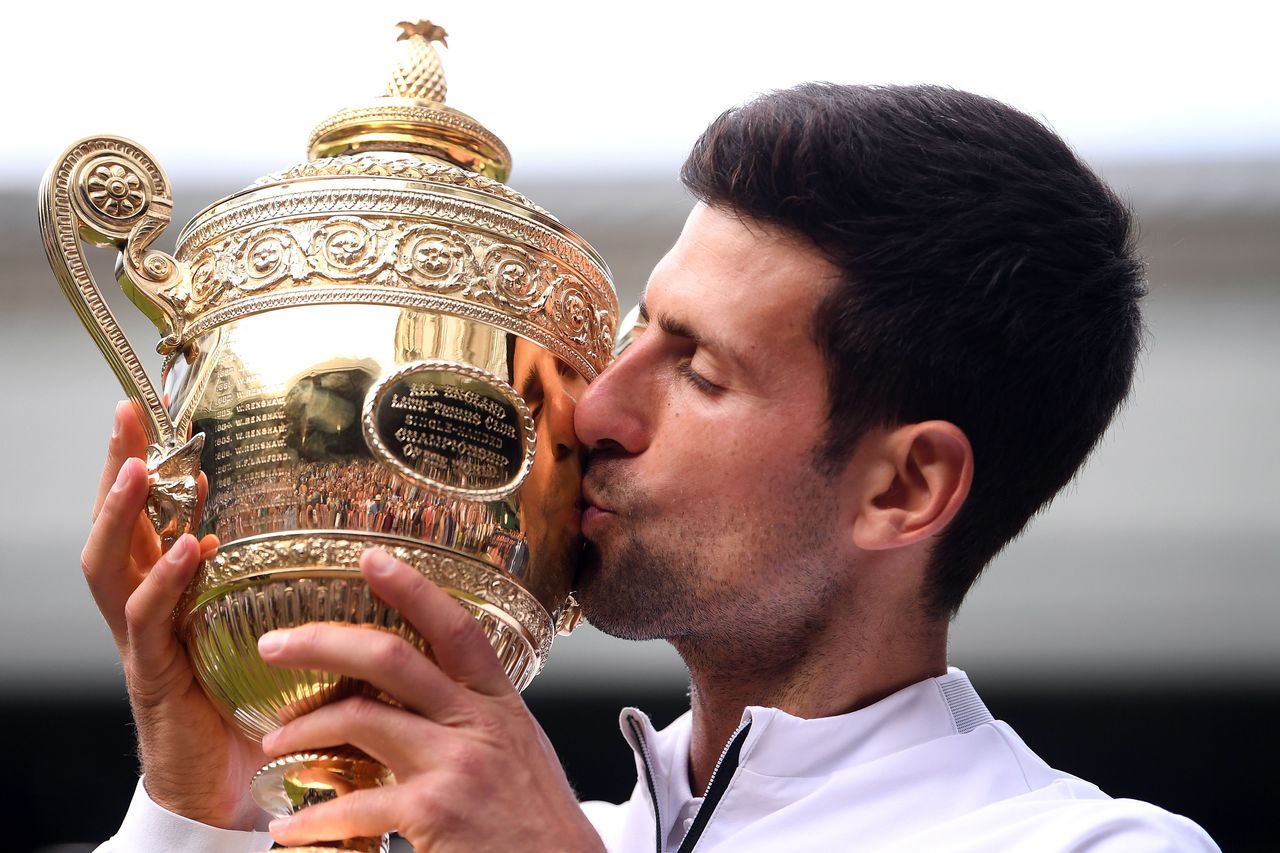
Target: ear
[[916, 479]]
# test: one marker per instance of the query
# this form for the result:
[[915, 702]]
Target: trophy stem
[[293, 782]]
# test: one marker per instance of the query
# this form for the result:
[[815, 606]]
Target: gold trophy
[[378, 347]]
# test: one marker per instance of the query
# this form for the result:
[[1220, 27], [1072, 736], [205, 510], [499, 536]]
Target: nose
[[615, 410], [559, 422]]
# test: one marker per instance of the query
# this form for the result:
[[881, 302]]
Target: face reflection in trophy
[[552, 523], [380, 347]]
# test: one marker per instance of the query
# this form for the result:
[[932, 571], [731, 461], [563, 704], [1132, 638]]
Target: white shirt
[[149, 827], [926, 769]]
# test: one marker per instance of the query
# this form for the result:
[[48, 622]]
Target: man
[[892, 329]]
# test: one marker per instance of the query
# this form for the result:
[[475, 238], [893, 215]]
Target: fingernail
[[271, 642], [280, 824], [115, 422], [379, 563], [124, 477], [180, 550]]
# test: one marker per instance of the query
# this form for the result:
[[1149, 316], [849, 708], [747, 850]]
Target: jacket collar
[[783, 745]]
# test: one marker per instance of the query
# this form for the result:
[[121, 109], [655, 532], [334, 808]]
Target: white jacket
[[926, 769]]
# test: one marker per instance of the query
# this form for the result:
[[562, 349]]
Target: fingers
[[105, 559], [383, 659], [456, 639], [359, 813], [209, 542], [401, 741], [148, 612], [127, 439], [208, 546], [145, 547]]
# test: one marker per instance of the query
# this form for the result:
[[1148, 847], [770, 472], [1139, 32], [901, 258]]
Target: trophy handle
[[110, 192]]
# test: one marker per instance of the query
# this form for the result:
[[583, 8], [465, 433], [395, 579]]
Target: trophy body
[[375, 349]]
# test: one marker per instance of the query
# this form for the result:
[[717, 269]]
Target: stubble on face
[[652, 576]]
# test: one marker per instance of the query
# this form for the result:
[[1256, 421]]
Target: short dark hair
[[989, 279]]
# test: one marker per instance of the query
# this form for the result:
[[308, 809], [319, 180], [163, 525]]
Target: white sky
[[232, 88]]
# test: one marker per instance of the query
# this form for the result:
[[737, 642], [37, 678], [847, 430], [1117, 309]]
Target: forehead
[[740, 278]]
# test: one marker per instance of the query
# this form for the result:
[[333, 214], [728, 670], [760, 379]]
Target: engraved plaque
[[453, 428]]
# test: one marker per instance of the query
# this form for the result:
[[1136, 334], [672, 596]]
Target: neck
[[826, 679]]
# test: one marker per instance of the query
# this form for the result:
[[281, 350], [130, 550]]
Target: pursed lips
[[594, 509]]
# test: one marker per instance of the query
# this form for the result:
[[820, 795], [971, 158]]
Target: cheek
[[731, 482], [756, 455]]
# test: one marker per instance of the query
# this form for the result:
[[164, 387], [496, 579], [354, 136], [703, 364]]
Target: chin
[[588, 568]]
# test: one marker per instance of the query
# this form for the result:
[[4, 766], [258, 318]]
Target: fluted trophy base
[[293, 782], [262, 583], [285, 580]]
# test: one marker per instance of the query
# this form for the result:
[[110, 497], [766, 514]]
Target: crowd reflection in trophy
[[357, 493]]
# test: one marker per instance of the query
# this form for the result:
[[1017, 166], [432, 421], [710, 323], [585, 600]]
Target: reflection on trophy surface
[[379, 347]]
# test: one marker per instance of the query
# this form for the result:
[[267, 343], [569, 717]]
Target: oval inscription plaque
[[451, 427]]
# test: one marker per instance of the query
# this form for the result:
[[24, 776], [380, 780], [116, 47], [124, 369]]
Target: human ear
[[918, 477]]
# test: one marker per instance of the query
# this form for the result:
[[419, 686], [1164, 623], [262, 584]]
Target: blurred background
[[1130, 635]]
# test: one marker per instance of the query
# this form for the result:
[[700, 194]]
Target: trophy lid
[[412, 117], [401, 204]]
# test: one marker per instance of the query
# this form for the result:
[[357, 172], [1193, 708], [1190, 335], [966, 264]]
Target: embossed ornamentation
[[347, 248], [440, 257], [406, 168], [240, 561], [539, 283], [425, 117], [571, 311], [417, 72], [517, 279], [115, 189], [172, 499]]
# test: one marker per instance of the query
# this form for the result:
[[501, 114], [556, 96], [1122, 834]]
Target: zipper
[[648, 777], [716, 787]]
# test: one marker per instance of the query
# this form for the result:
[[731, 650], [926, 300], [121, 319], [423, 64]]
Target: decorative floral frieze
[[467, 265]]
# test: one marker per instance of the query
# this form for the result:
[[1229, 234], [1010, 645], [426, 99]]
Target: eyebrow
[[680, 329]]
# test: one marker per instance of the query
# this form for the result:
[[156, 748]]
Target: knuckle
[[493, 730], [462, 629], [431, 806], [304, 637], [87, 563], [360, 710], [467, 763], [391, 652], [135, 613]]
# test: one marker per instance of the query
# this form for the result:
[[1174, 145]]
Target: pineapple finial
[[418, 73]]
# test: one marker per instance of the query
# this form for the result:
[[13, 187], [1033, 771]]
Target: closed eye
[[685, 367]]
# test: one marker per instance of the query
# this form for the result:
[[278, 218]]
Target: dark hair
[[989, 279]]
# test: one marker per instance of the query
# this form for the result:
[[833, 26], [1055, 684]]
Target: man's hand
[[194, 763], [473, 770]]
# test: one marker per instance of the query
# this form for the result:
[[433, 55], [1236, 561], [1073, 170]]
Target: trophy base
[[293, 782], [285, 580]]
